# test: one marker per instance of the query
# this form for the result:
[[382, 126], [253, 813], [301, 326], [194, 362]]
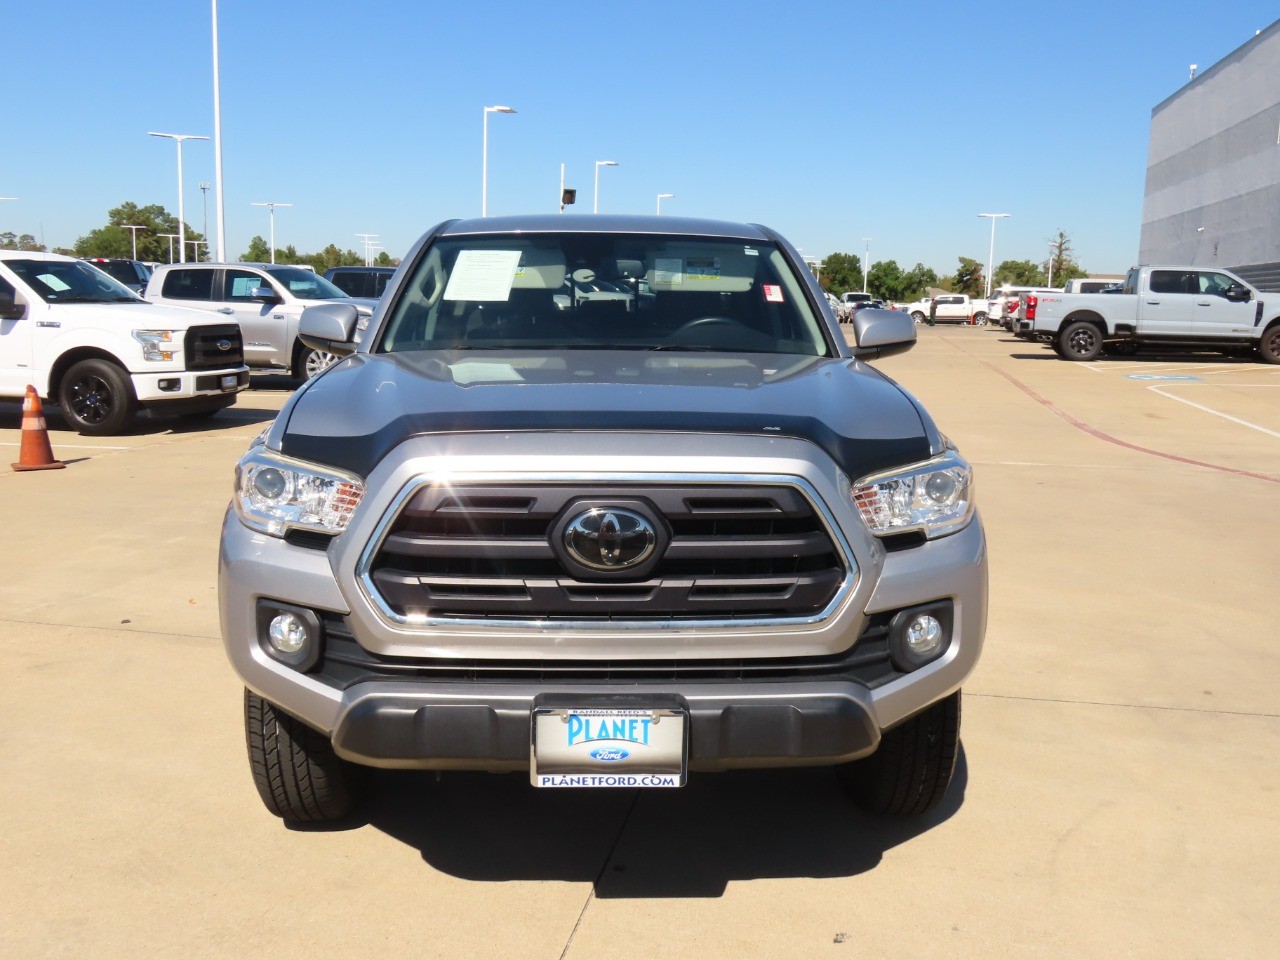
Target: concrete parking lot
[[1116, 794]]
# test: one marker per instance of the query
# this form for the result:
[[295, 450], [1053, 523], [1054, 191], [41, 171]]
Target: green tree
[[885, 280], [969, 278], [113, 240], [842, 272], [1018, 273], [917, 280], [258, 251], [11, 241]]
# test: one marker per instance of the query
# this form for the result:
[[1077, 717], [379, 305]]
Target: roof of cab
[[609, 223]]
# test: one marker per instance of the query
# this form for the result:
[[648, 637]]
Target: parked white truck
[[90, 344], [1184, 306]]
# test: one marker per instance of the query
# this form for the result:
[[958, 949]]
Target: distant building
[[1213, 168]]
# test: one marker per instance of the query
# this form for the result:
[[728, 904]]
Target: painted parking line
[[1163, 391], [72, 446]]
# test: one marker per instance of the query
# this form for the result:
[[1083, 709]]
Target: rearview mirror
[[882, 333], [330, 326]]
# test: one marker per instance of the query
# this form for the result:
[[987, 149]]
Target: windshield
[[306, 285], [604, 291], [70, 281]]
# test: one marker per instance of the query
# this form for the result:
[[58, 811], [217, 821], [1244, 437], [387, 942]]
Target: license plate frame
[[603, 747]]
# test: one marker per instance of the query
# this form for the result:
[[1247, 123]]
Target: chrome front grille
[[729, 553]]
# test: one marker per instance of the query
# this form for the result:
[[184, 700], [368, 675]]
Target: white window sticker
[[482, 275], [668, 271], [52, 282], [773, 293], [703, 268], [751, 251]]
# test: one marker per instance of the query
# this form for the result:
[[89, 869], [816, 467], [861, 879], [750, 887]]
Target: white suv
[[265, 299]]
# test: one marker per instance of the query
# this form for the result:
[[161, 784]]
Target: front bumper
[[190, 384]]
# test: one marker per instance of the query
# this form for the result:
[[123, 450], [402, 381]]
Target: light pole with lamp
[[182, 227], [172, 237], [595, 204], [271, 205], [484, 163], [133, 229], [866, 263], [991, 253], [664, 196], [195, 248], [204, 197]]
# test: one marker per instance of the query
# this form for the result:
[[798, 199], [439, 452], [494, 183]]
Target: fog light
[[288, 634], [920, 635], [924, 636], [169, 385]]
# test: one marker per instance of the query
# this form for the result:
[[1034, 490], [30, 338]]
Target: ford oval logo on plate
[[609, 754], [610, 538]]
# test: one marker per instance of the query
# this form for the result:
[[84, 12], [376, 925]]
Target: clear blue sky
[[830, 121]]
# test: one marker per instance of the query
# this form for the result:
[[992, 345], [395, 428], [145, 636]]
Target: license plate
[[230, 381], [604, 748]]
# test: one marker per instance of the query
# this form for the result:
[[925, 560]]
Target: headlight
[[275, 495], [156, 344], [934, 497]]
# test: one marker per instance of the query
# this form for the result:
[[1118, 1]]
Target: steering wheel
[[710, 323]]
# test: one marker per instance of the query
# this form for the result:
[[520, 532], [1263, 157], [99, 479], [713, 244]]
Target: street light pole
[[204, 197], [172, 237], [272, 207], [217, 145], [866, 263], [484, 163], [595, 204], [182, 227], [366, 238], [664, 196], [991, 253], [133, 229]]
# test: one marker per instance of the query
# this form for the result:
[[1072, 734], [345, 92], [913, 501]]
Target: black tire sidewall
[[1065, 340], [124, 402]]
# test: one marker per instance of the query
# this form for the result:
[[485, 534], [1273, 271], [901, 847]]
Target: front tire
[[1269, 345], [1080, 341], [918, 317], [910, 771], [97, 398], [979, 319], [297, 774]]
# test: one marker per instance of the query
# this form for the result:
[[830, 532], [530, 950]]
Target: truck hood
[[123, 316], [358, 410]]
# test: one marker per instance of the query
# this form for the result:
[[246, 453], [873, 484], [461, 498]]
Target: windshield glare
[[604, 291], [306, 285], [70, 281]]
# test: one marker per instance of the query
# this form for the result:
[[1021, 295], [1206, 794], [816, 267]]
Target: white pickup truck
[[92, 345], [1159, 305]]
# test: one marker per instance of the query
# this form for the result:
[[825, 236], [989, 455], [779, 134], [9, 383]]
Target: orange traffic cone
[[36, 454]]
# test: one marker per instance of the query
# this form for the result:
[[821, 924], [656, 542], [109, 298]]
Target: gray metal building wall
[[1213, 168]]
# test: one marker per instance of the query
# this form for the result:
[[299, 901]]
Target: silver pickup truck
[[608, 541], [1182, 306]]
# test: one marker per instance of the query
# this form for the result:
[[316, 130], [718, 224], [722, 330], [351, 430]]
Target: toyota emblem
[[610, 538]]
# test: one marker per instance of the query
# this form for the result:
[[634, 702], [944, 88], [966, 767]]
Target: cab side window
[[1214, 284], [188, 285], [240, 284]]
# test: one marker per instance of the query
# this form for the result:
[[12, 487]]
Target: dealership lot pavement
[[1116, 795]]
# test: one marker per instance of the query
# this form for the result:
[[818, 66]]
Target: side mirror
[[331, 327], [9, 308], [264, 294], [882, 333], [1237, 294]]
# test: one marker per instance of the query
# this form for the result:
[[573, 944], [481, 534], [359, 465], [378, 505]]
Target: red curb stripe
[[1095, 432]]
